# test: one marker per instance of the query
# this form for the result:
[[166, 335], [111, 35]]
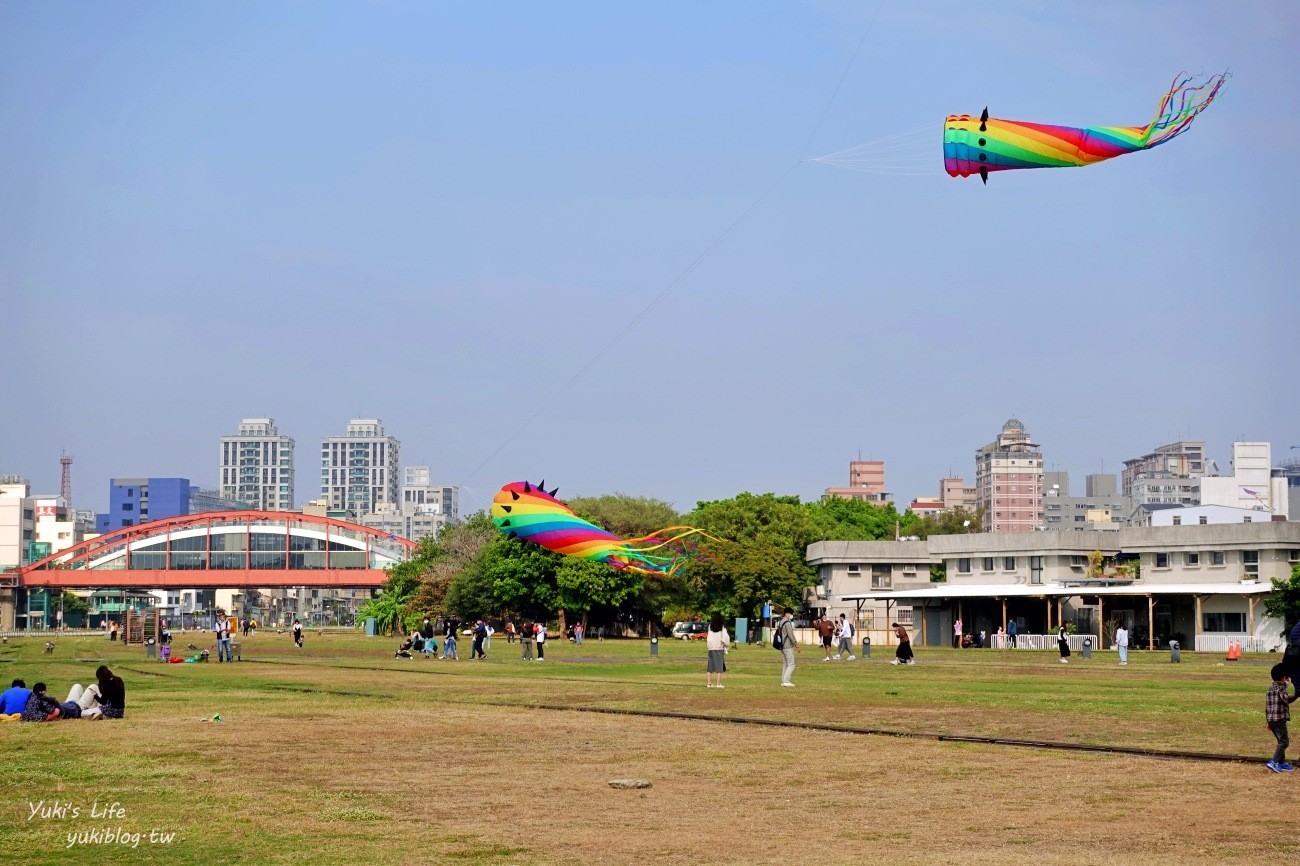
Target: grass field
[[338, 753]]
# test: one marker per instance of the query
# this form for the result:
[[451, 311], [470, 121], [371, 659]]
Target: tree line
[[473, 571]]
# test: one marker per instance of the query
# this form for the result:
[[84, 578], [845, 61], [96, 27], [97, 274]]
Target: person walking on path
[[578, 631], [902, 655], [1121, 641], [1011, 633], [449, 647], [541, 641], [956, 633], [488, 631], [1277, 712], [718, 642], [789, 646], [845, 635], [1063, 644], [297, 632], [526, 641]]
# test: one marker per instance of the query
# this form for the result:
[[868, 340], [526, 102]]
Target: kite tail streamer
[[1179, 107]]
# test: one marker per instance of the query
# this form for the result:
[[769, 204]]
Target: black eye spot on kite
[[514, 495], [506, 508], [505, 522], [982, 142], [983, 157], [513, 534]]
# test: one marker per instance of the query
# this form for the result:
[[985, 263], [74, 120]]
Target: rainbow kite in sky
[[526, 511], [980, 145]]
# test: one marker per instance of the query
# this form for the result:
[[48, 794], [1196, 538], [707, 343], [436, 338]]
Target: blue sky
[[441, 214]]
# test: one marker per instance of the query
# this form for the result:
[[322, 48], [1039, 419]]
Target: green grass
[[296, 770]]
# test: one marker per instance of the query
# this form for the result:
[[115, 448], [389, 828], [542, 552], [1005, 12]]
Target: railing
[[1211, 643]]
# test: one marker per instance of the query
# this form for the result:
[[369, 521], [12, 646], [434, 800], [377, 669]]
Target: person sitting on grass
[[403, 649], [112, 693], [13, 701], [85, 700], [40, 706]]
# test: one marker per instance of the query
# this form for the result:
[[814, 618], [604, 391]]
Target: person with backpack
[[784, 640], [846, 639]]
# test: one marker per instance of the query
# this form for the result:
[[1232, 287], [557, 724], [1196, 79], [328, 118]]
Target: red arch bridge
[[228, 550]]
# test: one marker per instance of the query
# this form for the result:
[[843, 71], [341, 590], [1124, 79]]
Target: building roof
[[1056, 590]]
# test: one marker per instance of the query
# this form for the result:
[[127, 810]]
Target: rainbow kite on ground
[[979, 145], [526, 511]]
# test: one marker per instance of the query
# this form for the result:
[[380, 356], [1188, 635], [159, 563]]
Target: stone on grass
[[629, 783]]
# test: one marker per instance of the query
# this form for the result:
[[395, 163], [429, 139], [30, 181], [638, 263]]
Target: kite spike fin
[[528, 488], [554, 490], [984, 119], [984, 174], [542, 486]]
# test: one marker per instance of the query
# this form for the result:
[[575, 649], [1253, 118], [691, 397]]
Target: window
[[130, 491], [1216, 557], [882, 576], [1035, 569], [1250, 562], [988, 563], [128, 506], [905, 615], [1191, 558], [854, 568], [1293, 556], [963, 567], [1009, 563], [1078, 561], [1203, 520], [1162, 560], [1229, 622], [1246, 519]]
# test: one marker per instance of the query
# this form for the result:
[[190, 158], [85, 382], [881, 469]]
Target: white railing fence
[[1218, 643]]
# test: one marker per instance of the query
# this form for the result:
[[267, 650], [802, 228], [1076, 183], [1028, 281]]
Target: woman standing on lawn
[[1064, 644], [902, 655], [718, 641]]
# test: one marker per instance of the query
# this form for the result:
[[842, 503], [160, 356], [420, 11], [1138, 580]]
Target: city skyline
[[591, 244]]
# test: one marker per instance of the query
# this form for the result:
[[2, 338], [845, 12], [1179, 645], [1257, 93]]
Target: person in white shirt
[[1121, 641], [541, 641], [718, 643], [845, 635]]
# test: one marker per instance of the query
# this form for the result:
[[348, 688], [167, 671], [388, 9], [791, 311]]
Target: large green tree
[[1284, 601]]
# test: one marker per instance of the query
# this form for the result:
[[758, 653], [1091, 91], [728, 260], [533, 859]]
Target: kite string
[[605, 350]]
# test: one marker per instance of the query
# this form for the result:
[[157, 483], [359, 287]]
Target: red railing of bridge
[[70, 567]]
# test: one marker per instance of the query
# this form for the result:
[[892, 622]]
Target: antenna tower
[[65, 484]]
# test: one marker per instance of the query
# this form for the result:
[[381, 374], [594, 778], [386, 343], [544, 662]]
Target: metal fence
[[1218, 643]]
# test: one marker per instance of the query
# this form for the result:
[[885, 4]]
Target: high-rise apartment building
[[866, 482], [1176, 460], [1009, 481], [418, 490], [1092, 511], [359, 471], [955, 494], [257, 466]]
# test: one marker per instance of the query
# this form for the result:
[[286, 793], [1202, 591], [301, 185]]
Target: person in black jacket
[[112, 693]]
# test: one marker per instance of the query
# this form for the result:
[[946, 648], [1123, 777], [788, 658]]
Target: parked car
[[690, 630]]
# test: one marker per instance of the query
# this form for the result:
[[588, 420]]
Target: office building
[[419, 490], [866, 483], [359, 470], [1254, 483], [1176, 460], [257, 466], [1008, 481], [1063, 511]]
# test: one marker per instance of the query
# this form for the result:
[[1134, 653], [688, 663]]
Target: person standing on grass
[[1063, 644], [449, 647], [541, 641], [718, 642], [956, 633], [426, 630], [1121, 641], [480, 635], [789, 646], [845, 635], [1011, 633], [1277, 712], [903, 654], [297, 632], [112, 630], [510, 632], [826, 631], [578, 632], [526, 641]]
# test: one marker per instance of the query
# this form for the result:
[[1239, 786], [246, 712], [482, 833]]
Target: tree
[[955, 521], [582, 584], [1284, 601]]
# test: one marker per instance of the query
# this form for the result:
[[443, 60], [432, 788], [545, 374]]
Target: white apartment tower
[[257, 466], [1009, 481], [359, 471], [420, 493]]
